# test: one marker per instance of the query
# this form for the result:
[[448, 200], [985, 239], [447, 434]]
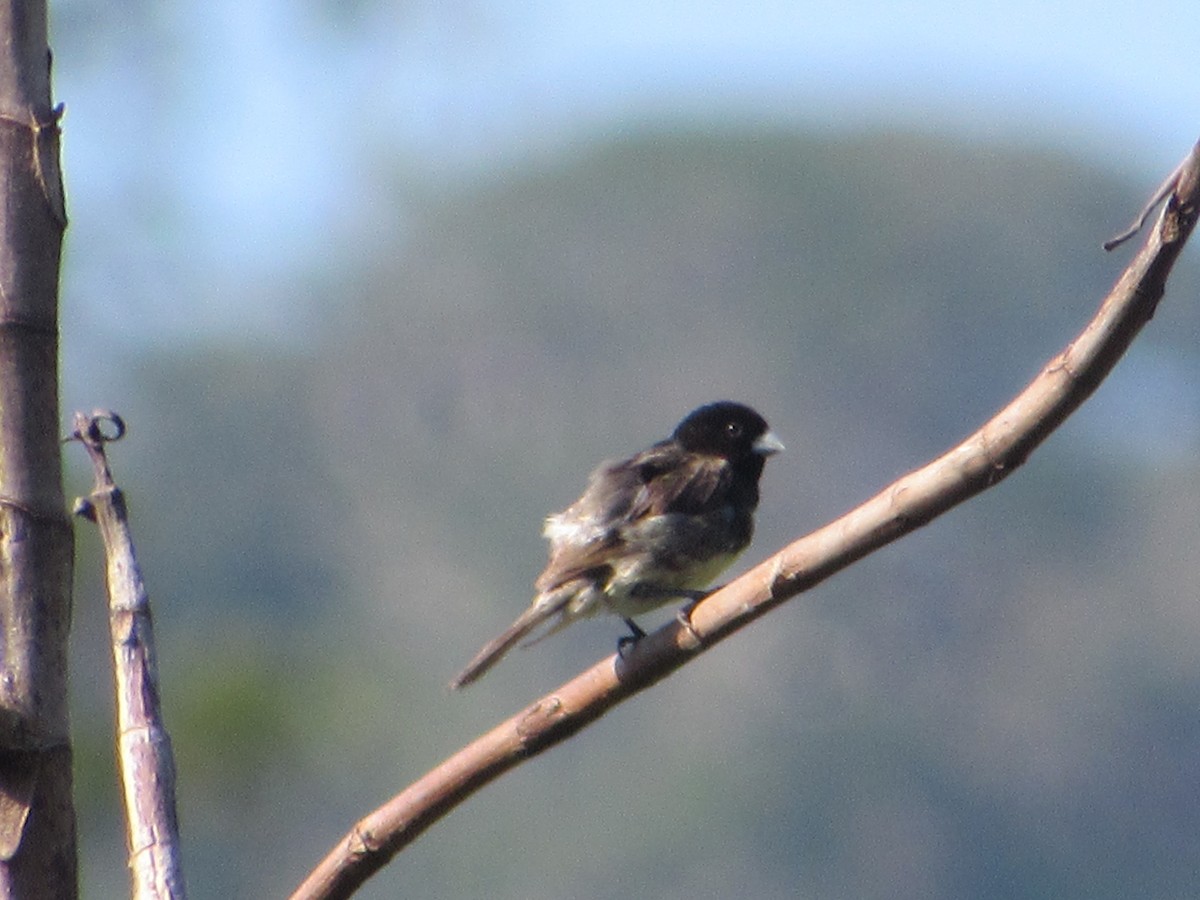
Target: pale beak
[[767, 445]]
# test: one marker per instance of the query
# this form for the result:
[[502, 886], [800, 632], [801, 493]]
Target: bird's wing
[[587, 536], [674, 481]]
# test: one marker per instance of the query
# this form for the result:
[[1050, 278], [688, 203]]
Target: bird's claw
[[628, 641], [684, 618]]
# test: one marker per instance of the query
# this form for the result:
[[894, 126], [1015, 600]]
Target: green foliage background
[[1003, 705]]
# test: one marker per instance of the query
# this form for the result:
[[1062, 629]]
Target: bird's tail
[[494, 650]]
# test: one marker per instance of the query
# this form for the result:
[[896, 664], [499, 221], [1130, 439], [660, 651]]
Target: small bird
[[658, 526]]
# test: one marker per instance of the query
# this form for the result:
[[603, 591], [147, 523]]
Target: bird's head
[[730, 430]]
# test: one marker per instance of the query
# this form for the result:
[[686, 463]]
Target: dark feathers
[[655, 527]]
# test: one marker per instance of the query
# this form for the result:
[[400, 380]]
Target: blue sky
[[229, 142]]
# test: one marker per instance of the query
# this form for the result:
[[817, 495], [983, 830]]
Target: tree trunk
[[37, 819]]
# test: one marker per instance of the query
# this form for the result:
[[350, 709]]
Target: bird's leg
[[683, 616], [627, 641], [636, 632]]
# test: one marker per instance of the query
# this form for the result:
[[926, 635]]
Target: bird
[[656, 527]]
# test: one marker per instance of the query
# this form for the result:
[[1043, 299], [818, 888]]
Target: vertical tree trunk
[[37, 819]]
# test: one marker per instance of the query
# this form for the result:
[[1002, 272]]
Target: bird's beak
[[767, 445]]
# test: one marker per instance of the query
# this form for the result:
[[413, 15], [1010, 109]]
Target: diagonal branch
[[982, 460]]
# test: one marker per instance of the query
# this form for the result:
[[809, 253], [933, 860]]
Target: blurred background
[[377, 283]]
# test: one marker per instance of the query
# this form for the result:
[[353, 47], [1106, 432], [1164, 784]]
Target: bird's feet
[[684, 616], [627, 642]]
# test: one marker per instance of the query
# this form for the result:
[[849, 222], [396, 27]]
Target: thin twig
[[1160, 194], [144, 748], [982, 460]]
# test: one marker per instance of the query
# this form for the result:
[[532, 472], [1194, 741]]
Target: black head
[[727, 429]]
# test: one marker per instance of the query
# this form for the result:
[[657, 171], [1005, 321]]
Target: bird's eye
[[733, 429]]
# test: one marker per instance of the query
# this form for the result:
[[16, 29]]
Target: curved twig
[[1169, 184], [982, 460]]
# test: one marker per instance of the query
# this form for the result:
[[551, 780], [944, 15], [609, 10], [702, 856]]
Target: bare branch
[[982, 460], [144, 747]]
